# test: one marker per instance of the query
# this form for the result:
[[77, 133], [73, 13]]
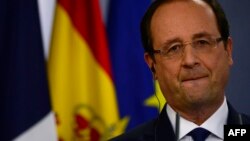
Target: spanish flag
[[82, 89]]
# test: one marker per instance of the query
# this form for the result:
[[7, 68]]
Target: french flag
[[25, 112]]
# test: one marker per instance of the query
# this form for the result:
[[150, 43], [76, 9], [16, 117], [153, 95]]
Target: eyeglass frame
[[215, 43]]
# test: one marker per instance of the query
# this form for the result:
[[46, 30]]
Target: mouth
[[193, 79]]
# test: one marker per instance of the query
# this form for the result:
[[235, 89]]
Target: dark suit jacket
[[160, 129]]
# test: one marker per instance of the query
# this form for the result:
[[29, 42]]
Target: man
[[188, 48]]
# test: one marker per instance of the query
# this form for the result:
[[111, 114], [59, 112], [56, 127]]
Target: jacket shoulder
[[236, 118], [245, 119], [140, 133]]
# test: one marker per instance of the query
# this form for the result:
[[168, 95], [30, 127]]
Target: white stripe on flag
[[44, 130]]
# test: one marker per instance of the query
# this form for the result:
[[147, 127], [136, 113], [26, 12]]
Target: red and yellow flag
[[82, 89]]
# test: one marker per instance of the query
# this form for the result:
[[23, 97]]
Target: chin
[[198, 97]]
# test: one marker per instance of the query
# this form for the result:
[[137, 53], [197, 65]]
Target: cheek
[[168, 74], [218, 67]]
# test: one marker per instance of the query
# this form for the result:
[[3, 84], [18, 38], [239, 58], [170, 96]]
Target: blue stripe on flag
[[24, 97], [133, 79]]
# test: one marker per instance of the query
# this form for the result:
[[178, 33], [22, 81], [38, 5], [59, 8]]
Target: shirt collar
[[214, 124]]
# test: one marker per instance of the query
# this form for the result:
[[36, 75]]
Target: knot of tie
[[199, 134]]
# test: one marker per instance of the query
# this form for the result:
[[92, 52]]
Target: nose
[[189, 57]]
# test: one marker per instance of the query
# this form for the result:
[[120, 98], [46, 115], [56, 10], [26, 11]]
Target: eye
[[202, 42], [174, 48]]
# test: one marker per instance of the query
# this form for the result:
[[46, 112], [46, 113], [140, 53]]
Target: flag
[[81, 81], [24, 99], [133, 79]]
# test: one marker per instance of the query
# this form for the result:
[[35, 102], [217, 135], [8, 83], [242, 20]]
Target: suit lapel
[[233, 115], [164, 130]]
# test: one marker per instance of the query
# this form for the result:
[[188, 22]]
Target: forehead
[[182, 19]]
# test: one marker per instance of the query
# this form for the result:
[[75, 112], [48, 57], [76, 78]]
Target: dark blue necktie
[[199, 134]]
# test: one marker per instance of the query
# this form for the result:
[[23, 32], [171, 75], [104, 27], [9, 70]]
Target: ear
[[150, 62], [229, 50]]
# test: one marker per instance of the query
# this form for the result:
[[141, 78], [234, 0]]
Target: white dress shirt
[[214, 124]]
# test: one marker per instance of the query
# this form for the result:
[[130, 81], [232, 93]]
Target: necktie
[[199, 134]]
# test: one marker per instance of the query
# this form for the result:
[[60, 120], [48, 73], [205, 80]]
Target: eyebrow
[[201, 34], [177, 39]]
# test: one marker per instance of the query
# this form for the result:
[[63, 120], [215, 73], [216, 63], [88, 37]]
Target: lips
[[192, 78], [194, 83]]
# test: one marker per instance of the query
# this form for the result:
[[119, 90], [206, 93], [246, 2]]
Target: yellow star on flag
[[157, 100]]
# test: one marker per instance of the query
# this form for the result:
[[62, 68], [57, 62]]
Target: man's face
[[193, 79]]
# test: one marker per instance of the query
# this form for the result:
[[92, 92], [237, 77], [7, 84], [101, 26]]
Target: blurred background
[[97, 83]]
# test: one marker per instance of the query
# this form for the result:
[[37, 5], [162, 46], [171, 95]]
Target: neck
[[199, 113]]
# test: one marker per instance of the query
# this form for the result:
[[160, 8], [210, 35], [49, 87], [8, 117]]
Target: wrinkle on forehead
[[165, 16]]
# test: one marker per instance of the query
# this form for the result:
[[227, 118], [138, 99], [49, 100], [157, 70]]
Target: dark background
[[238, 89]]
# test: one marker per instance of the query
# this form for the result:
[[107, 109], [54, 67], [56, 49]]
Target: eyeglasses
[[176, 50]]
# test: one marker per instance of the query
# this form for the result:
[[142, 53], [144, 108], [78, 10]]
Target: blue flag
[[133, 79], [24, 98]]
